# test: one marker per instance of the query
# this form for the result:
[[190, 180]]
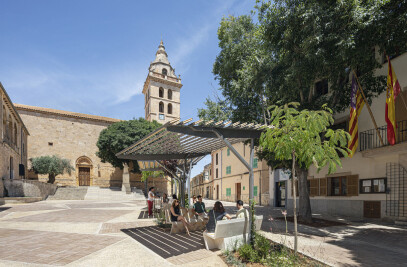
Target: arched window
[[164, 71], [169, 109], [161, 92], [161, 107], [169, 94]]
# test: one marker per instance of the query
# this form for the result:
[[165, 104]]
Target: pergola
[[188, 142]]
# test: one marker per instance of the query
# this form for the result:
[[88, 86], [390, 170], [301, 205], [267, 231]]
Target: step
[[13, 200]]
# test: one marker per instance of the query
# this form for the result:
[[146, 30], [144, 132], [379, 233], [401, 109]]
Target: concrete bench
[[228, 235], [178, 227]]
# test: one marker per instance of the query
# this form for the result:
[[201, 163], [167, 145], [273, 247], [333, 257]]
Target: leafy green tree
[[217, 110], [304, 137], [121, 135], [51, 165]]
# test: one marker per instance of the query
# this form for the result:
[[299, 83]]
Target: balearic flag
[[356, 105], [393, 90]]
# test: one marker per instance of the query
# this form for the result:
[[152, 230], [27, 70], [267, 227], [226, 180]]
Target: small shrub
[[262, 246], [247, 253]]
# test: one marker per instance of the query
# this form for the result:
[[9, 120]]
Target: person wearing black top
[[217, 213], [176, 215]]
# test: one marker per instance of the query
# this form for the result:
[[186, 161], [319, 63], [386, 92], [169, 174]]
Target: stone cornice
[[160, 80]]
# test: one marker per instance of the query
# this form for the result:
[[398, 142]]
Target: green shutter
[[244, 187], [228, 169], [228, 192], [255, 191], [228, 152], [255, 163]]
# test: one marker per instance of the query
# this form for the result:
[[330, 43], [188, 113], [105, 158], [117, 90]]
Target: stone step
[[69, 193], [14, 200], [96, 193]]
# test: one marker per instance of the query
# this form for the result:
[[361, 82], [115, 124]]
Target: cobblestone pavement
[[83, 233], [359, 243]]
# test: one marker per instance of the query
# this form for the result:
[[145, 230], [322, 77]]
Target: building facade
[[202, 184], [162, 90], [13, 145], [231, 177], [373, 183]]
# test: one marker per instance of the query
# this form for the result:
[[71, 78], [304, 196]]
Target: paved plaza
[[96, 233], [93, 233]]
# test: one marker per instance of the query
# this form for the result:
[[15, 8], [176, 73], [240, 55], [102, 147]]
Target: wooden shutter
[[352, 185], [313, 187], [323, 186]]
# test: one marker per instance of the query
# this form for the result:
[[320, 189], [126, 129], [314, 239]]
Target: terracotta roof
[[65, 113]]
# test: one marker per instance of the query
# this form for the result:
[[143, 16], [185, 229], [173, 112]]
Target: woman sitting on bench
[[218, 213], [176, 215]]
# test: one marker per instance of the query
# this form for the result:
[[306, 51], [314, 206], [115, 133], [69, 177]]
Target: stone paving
[[85, 233]]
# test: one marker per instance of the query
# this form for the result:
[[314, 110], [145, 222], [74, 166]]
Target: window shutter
[[352, 185], [323, 186], [313, 187]]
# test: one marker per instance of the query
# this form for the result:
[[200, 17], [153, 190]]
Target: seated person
[[165, 198], [217, 213], [174, 197], [199, 207], [242, 212], [176, 215]]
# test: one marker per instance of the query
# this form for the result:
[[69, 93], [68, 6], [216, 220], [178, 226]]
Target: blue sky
[[92, 56]]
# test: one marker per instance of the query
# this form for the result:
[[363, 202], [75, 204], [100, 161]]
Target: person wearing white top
[[242, 212], [150, 200]]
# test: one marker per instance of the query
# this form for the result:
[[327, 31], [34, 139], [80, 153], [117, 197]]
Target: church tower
[[162, 89]]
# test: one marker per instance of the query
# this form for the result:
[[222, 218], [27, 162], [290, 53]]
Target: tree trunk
[[305, 214], [295, 206], [51, 178]]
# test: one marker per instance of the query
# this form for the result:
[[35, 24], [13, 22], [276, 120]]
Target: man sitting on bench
[[199, 207], [242, 212]]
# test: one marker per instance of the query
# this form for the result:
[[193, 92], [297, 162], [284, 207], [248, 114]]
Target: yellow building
[[231, 177], [13, 145]]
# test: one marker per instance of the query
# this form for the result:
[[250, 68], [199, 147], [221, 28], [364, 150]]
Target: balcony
[[370, 140]]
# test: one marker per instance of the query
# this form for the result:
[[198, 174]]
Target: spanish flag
[[393, 90], [356, 105]]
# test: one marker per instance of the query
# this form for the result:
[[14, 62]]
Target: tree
[[304, 137], [217, 110], [51, 165], [121, 135], [297, 43]]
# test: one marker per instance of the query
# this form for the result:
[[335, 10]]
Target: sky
[[93, 56]]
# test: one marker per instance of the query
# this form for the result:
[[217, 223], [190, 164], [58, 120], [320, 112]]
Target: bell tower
[[162, 89]]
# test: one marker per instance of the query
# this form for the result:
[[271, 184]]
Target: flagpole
[[368, 108]]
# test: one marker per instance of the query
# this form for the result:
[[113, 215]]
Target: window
[[377, 185], [216, 173], [164, 71], [15, 133], [169, 94], [255, 191], [169, 109], [216, 159], [161, 92], [244, 187], [161, 117], [228, 152], [50, 143], [255, 163], [321, 88], [4, 123], [228, 169], [228, 192], [161, 107], [338, 186]]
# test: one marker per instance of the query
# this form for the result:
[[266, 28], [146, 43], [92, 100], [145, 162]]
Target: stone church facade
[[74, 135]]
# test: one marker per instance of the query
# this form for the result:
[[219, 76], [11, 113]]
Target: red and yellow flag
[[356, 105], [393, 90]]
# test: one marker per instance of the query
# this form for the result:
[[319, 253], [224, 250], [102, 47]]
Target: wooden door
[[84, 176], [217, 191], [371, 209], [238, 191]]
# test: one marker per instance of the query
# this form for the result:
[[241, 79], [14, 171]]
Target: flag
[[356, 105], [393, 90]]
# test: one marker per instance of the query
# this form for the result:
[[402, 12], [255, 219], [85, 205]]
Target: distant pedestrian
[[193, 199], [150, 200], [165, 198]]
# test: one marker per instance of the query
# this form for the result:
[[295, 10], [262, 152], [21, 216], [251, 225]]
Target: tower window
[[169, 109], [161, 107], [169, 94], [161, 92], [164, 71]]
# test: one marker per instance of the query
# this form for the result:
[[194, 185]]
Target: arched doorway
[[84, 169]]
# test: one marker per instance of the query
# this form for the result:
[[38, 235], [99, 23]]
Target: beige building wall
[[370, 163], [230, 175], [13, 134]]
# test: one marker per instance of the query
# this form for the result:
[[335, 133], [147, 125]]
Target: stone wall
[[27, 188]]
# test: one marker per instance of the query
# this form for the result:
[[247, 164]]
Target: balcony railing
[[369, 139]]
